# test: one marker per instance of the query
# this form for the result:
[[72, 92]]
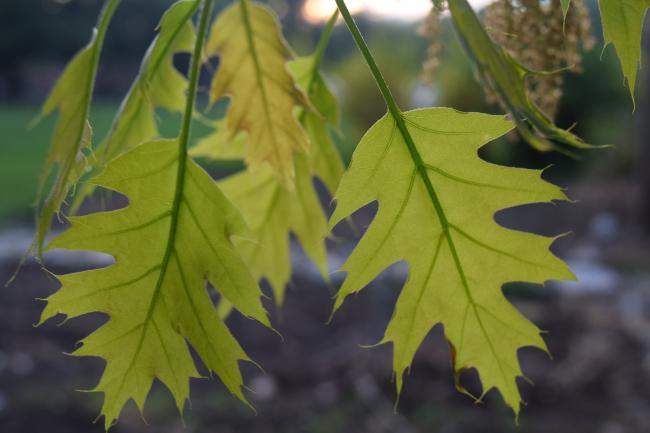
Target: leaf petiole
[[324, 40]]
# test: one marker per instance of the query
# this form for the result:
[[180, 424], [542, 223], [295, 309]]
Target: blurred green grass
[[23, 150]]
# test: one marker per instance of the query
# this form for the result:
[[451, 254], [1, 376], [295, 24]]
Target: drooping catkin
[[535, 34], [431, 30]]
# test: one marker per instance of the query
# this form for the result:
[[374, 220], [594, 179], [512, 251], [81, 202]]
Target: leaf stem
[[324, 40], [184, 136], [318, 59], [105, 18], [183, 139], [363, 47], [195, 68]]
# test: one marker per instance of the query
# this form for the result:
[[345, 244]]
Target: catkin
[[535, 34], [431, 30]]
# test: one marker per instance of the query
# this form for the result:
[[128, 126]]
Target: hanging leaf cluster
[[182, 232]]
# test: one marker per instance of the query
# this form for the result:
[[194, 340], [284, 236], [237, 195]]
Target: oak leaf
[[252, 72], [436, 213], [173, 238]]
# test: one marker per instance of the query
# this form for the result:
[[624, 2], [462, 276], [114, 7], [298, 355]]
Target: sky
[[406, 10]]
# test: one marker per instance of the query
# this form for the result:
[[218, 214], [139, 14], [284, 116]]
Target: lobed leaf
[[253, 53], [273, 211], [324, 157], [623, 27], [437, 215], [173, 238], [170, 241]]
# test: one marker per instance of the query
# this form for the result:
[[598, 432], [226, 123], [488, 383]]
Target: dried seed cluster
[[535, 34], [430, 30]]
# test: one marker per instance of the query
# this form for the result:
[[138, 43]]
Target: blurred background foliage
[[41, 35]]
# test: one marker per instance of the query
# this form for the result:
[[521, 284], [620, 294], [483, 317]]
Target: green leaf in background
[[71, 97], [155, 294], [273, 210], [252, 51], [436, 213], [623, 27], [306, 74], [508, 78], [158, 84], [221, 144], [324, 157]]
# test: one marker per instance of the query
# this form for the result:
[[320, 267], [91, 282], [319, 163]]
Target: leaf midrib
[[183, 140], [259, 76], [422, 168]]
